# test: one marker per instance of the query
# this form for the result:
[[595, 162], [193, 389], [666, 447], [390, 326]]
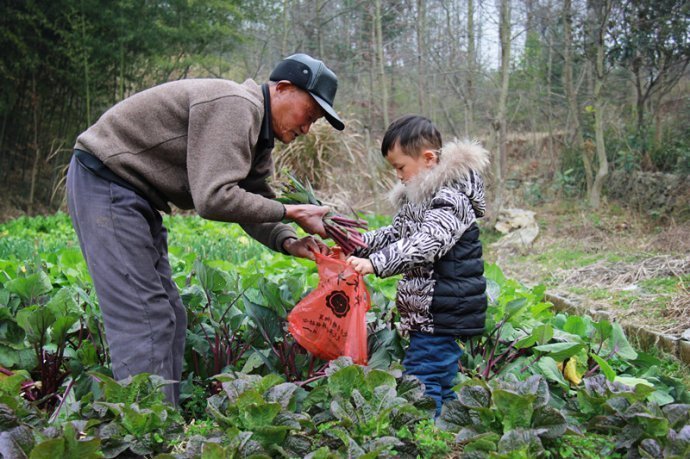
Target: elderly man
[[202, 144]]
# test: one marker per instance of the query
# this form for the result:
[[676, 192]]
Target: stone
[[519, 226], [655, 193], [685, 335], [669, 343], [684, 351], [511, 219]]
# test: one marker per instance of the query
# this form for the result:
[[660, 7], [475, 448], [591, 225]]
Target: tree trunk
[[599, 103], [382, 74], [603, 170], [549, 105], [86, 67], [37, 150], [471, 70], [448, 117], [420, 30], [658, 126], [574, 113], [319, 29], [499, 124], [640, 101], [372, 72], [286, 26], [532, 77]]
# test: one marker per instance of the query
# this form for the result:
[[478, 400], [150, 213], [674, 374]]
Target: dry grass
[[666, 312], [612, 260], [619, 275], [672, 238], [347, 170], [678, 310]]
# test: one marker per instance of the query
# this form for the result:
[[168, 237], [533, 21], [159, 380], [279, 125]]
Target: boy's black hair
[[413, 133]]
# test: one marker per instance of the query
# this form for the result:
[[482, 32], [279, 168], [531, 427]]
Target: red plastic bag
[[330, 322]]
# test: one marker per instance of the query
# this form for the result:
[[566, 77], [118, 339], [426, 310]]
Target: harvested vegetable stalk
[[342, 230]]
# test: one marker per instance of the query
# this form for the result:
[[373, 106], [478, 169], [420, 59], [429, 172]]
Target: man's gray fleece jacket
[[193, 143], [434, 242]]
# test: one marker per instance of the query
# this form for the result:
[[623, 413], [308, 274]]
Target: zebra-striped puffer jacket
[[434, 241]]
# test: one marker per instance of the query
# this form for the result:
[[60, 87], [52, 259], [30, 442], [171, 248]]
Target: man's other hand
[[305, 247]]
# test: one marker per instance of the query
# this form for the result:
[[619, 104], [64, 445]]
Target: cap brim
[[331, 115]]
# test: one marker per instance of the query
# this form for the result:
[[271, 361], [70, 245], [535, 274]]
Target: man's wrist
[[294, 212], [287, 241], [289, 212]]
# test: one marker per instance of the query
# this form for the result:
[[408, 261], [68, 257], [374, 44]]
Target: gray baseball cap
[[313, 76]]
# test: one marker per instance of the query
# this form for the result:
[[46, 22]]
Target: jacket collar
[[266, 135], [456, 161]]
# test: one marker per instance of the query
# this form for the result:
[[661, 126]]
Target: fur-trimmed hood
[[459, 161]]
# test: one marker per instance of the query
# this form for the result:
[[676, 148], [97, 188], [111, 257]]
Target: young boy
[[434, 242]]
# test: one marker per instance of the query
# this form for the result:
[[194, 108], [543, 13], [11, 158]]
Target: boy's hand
[[305, 247], [307, 216], [361, 265]]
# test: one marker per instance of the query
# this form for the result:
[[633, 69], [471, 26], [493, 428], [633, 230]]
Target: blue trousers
[[434, 361]]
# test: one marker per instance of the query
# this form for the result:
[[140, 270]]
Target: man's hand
[[361, 265], [305, 247], [308, 217]]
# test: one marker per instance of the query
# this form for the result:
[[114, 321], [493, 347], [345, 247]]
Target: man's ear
[[430, 157], [284, 85]]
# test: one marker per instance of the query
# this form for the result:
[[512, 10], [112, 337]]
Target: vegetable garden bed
[[539, 383]]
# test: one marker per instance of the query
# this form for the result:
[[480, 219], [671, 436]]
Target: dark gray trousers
[[125, 246]]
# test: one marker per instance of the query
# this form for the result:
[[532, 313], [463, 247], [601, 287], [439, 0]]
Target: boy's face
[[406, 167]]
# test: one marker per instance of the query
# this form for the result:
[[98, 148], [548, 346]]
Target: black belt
[[96, 166]]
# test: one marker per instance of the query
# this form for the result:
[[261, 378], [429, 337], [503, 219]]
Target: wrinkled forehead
[[310, 103]]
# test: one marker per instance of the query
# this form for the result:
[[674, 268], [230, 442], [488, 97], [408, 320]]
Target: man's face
[[293, 111]]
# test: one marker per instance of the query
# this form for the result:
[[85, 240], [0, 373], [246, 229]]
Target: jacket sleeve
[[272, 235], [221, 137], [447, 218], [380, 238]]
